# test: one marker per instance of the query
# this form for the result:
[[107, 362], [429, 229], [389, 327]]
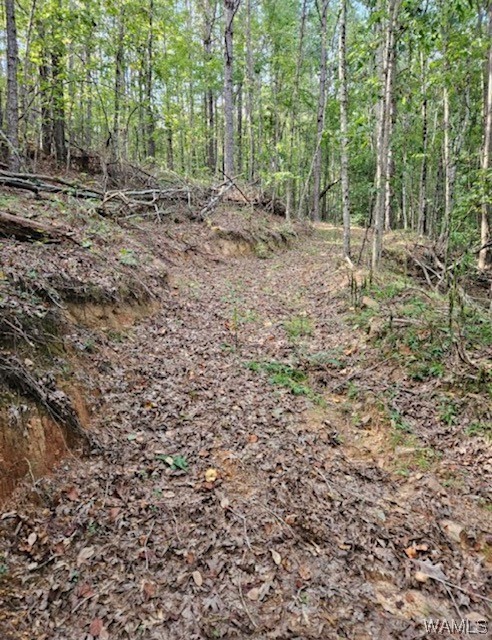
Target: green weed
[[285, 375], [298, 326], [482, 429]]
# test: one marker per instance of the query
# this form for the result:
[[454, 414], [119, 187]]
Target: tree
[[485, 255], [12, 88], [230, 9], [321, 112], [387, 67], [344, 163]]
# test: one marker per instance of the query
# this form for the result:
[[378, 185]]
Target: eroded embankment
[[61, 302]]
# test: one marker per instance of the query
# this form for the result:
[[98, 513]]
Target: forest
[[245, 319], [377, 112]]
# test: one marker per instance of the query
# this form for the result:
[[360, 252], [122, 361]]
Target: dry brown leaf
[[420, 576], [96, 627], [73, 494], [114, 513], [31, 540], [197, 577], [84, 555], [85, 590], [277, 558], [253, 594], [305, 572], [149, 589]]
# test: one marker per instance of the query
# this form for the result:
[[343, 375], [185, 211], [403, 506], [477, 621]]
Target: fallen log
[[29, 230], [34, 185]]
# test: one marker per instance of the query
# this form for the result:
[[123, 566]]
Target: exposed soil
[[245, 487]]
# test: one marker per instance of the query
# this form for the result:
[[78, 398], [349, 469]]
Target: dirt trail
[[300, 529]]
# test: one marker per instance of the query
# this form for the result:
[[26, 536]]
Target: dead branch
[[29, 230]]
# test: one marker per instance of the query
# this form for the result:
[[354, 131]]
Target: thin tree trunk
[[447, 169], [422, 219], [250, 93], [240, 128], [384, 130], [150, 120], [485, 255], [209, 11], [58, 92], [344, 161], [116, 147], [12, 88], [321, 114], [230, 8]]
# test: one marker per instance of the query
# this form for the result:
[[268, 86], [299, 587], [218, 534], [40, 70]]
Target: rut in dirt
[[226, 502]]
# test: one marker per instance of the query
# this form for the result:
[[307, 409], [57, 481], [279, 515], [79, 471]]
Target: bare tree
[[344, 173], [12, 88], [230, 8]]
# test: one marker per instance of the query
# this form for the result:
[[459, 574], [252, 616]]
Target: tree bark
[[321, 114], [422, 218], [209, 10], [116, 146], [485, 255], [230, 9], [150, 120], [344, 161], [384, 130], [12, 88], [58, 53]]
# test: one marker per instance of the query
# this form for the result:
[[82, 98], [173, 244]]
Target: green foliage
[[177, 462], [480, 428], [298, 326], [284, 375], [128, 257]]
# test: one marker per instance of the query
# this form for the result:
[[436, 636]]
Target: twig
[[356, 373], [245, 607]]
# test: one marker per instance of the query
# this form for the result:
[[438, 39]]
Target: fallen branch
[[29, 230]]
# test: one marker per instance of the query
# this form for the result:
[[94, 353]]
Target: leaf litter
[[219, 507]]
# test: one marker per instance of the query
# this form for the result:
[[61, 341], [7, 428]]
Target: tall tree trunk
[[150, 120], [422, 219], [117, 142], [240, 128], [12, 88], [344, 162], [209, 12], [384, 129], [250, 77], [485, 255], [321, 113], [446, 224], [230, 8], [58, 52]]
